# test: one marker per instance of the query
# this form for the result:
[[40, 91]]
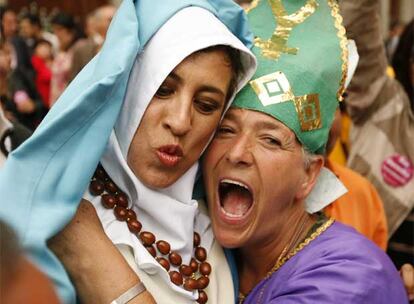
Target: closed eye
[[272, 141], [225, 130]]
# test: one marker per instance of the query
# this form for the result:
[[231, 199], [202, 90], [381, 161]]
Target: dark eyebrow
[[211, 89], [203, 88], [175, 77]]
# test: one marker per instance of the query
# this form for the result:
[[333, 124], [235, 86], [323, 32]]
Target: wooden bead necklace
[[194, 276]]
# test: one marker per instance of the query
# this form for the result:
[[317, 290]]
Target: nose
[[240, 152], [178, 117]]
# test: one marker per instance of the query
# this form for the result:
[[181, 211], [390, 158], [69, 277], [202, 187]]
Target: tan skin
[[256, 149], [185, 111]]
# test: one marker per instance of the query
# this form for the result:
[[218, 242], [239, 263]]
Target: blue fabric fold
[[43, 180]]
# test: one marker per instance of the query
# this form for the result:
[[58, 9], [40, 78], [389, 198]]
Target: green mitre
[[302, 54]]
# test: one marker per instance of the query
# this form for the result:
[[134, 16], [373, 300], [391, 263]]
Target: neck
[[256, 260]]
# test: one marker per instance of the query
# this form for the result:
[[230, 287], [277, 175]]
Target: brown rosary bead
[[175, 258], [176, 277], [110, 187], [202, 297], [120, 213], [121, 200], [203, 282], [190, 284], [163, 247], [196, 239], [100, 173], [134, 226], [147, 238], [131, 214], [201, 254], [163, 262], [185, 270], [151, 250], [108, 201], [193, 265], [96, 188], [205, 268]]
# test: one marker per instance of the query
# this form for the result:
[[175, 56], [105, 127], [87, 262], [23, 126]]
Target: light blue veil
[[43, 181]]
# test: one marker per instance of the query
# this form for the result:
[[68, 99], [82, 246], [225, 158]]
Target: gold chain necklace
[[283, 257]]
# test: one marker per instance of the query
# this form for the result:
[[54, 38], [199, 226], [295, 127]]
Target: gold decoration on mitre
[[309, 112], [272, 48], [272, 88]]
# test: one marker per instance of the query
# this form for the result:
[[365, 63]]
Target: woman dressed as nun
[[124, 139]]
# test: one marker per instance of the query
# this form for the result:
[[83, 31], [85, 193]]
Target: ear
[[310, 176]]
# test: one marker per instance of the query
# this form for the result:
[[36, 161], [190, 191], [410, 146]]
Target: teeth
[[230, 214], [229, 181]]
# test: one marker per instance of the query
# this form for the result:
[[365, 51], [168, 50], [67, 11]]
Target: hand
[[97, 268], [407, 275]]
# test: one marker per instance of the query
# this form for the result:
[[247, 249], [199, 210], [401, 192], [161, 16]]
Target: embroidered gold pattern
[[308, 109], [272, 48], [272, 88], [343, 43]]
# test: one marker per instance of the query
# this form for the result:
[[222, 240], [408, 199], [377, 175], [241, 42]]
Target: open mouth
[[236, 199]]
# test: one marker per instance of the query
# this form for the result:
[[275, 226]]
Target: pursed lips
[[170, 155]]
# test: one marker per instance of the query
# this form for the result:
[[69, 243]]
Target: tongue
[[237, 201]]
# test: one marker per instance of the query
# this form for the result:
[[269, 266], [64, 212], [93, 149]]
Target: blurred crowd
[[41, 54]]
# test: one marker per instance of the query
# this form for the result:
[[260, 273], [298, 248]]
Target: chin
[[228, 239], [158, 181]]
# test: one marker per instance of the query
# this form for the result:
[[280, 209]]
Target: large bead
[[108, 201], [110, 187], [201, 254], [96, 188], [193, 265], [205, 268], [131, 214], [100, 173], [163, 247], [186, 270], [196, 239], [147, 238], [175, 258], [203, 282], [151, 250], [163, 262], [190, 284], [121, 200], [121, 213], [202, 297], [176, 278], [134, 226]]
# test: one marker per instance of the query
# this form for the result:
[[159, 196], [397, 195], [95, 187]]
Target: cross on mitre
[[272, 48]]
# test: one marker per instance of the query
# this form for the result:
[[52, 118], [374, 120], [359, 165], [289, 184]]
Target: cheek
[[204, 129]]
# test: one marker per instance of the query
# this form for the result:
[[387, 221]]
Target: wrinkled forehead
[[256, 120]]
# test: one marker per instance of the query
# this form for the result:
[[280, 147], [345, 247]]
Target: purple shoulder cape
[[339, 266]]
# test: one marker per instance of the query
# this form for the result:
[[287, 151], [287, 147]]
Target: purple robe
[[339, 266]]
